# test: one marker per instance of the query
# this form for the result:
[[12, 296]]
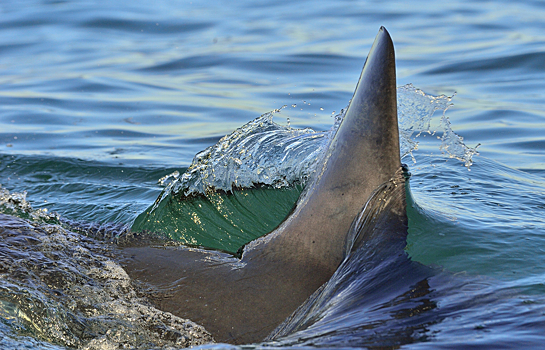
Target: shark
[[245, 298]]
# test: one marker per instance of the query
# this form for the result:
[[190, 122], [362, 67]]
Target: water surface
[[99, 100]]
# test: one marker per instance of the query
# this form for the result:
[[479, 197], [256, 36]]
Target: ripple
[[531, 61]]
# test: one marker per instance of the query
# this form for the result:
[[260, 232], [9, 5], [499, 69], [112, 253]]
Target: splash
[[259, 152], [415, 111], [453, 144], [16, 204], [265, 153]]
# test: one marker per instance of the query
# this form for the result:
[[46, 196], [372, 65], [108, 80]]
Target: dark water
[[99, 100]]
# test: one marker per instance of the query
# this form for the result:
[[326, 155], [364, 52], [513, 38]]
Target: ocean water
[[100, 100]]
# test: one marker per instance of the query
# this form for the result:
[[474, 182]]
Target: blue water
[[99, 100]]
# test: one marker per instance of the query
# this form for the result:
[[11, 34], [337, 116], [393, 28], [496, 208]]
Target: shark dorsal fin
[[363, 154]]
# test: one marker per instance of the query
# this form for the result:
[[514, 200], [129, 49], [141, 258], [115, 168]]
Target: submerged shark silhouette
[[244, 300]]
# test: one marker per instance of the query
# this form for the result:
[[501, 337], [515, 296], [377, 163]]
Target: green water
[[219, 220]]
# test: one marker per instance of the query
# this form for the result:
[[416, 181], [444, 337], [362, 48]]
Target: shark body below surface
[[244, 300]]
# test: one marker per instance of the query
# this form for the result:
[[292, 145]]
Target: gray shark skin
[[244, 300]]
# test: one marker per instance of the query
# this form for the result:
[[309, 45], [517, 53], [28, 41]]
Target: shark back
[[243, 300]]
